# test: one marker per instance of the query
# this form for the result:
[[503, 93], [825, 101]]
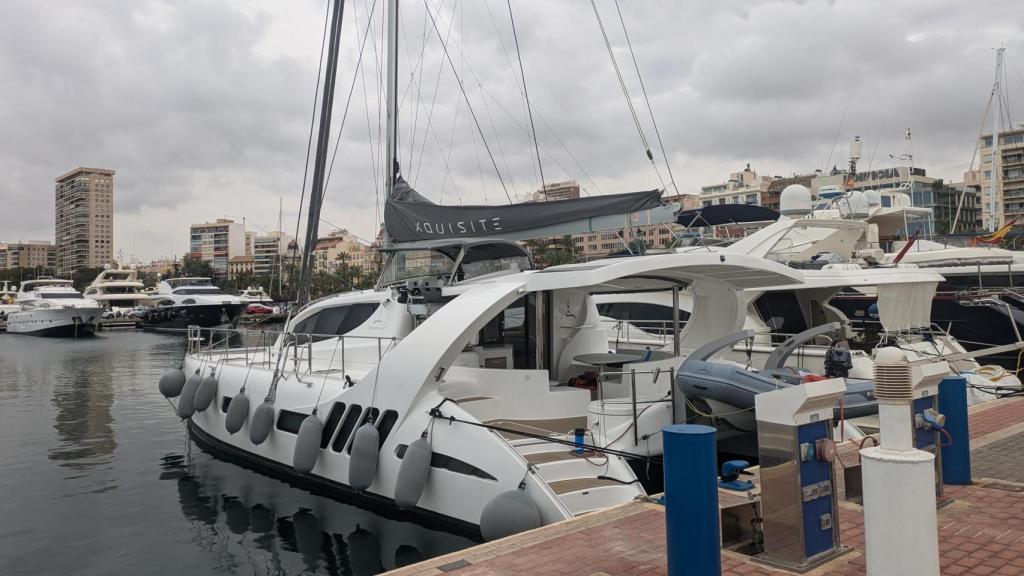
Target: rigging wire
[[825, 169], [433, 98], [647, 101], [309, 144], [469, 106], [625, 93], [526, 94], [369, 126], [351, 89], [871, 161], [977, 146]]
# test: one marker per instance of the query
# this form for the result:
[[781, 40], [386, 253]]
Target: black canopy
[[409, 217], [719, 214]]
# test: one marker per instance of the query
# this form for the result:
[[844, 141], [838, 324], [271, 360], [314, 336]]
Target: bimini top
[[719, 214]]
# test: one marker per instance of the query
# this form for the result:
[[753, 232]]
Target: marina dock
[[981, 526]]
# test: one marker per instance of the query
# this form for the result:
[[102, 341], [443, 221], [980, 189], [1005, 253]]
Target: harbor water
[[97, 478]]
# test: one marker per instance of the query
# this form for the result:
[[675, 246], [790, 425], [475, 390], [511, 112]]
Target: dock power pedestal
[[796, 451], [926, 420]]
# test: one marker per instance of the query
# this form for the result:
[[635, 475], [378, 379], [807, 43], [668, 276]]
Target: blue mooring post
[[691, 500], [956, 458]]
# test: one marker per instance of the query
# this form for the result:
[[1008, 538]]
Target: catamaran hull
[[67, 322], [380, 505], [202, 315]]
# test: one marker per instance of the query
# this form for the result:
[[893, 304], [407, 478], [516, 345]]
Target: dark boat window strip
[[224, 404], [438, 460], [288, 421], [347, 426], [337, 411]]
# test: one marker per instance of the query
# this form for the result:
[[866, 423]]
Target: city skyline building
[[83, 219]]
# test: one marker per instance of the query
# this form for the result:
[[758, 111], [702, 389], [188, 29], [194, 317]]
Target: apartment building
[[268, 250], [1009, 189], [84, 219], [217, 242], [31, 254], [340, 247], [743, 187]]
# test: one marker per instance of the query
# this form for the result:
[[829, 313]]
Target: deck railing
[[273, 348]]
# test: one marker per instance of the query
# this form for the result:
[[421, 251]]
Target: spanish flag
[[995, 237]]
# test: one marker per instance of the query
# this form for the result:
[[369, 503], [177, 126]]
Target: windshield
[[481, 267], [54, 295], [199, 290], [407, 264]]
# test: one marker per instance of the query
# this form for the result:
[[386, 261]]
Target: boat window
[[224, 404], [438, 460], [198, 290], [653, 318], [337, 411], [408, 264], [781, 312], [370, 414], [337, 320], [347, 426], [482, 267], [60, 295], [387, 422], [288, 421]]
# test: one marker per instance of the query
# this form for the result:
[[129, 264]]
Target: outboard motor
[[838, 362]]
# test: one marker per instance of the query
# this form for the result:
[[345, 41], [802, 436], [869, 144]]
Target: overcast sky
[[203, 107]]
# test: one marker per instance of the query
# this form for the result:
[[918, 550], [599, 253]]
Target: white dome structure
[[795, 200]]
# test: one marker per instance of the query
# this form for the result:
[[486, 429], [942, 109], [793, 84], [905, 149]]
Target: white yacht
[[255, 295], [478, 368], [118, 288], [49, 307], [8, 295], [183, 302]]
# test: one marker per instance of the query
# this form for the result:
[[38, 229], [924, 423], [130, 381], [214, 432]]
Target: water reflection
[[83, 398], [307, 534]]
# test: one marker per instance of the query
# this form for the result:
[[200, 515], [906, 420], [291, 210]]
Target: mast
[[993, 182], [316, 194], [391, 146]]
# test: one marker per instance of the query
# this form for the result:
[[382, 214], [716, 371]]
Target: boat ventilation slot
[[347, 426], [385, 424], [224, 404], [449, 463], [370, 414], [337, 411]]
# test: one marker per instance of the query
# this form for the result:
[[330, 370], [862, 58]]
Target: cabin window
[[438, 460], [336, 321], [337, 411], [347, 426], [288, 421], [224, 404], [652, 318]]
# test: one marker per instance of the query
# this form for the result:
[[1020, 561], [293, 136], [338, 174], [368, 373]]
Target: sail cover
[[409, 217]]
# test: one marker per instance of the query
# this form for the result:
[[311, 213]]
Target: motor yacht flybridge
[[479, 367], [118, 288]]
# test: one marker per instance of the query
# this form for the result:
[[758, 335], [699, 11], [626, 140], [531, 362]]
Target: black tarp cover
[[719, 214], [409, 217]]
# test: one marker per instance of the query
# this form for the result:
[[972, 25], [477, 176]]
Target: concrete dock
[[981, 531]]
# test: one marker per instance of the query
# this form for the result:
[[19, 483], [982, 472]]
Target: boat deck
[[980, 532]]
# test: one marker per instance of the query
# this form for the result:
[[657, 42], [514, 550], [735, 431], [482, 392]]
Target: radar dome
[[795, 200]]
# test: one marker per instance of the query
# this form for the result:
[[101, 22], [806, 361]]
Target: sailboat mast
[[390, 157], [316, 195], [994, 180]]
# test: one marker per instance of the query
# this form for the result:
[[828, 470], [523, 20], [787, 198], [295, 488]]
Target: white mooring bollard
[[900, 521]]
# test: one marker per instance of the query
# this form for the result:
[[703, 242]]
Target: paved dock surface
[[981, 532]]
